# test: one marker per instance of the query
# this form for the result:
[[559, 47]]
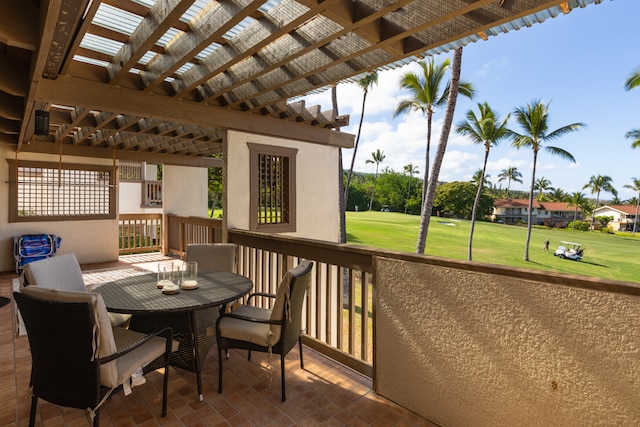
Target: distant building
[[623, 216], [552, 214]]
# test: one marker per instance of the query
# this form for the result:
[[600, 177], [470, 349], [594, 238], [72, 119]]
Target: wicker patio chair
[[274, 330], [63, 273], [78, 358], [213, 257]]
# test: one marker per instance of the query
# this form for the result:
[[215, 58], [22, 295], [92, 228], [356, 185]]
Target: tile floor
[[323, 394]]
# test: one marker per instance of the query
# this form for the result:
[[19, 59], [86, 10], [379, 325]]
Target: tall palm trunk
[[426, 159], [342, 201], [427, 204], [530, 212], [476, 202], [593, 216], [375, 178], [408, 192], [355, 151], [635, 220]]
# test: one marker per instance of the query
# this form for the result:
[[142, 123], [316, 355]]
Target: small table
[[190, 313]]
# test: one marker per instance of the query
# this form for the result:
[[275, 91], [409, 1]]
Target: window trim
[[13, 190], [255, 151]]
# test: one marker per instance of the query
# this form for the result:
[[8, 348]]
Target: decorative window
[[130, 171], [60, 192], [273, 171]]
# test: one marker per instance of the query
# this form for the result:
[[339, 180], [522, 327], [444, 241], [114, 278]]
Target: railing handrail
[[364, 257]]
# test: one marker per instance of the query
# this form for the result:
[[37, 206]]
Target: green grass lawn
[[607, 256]]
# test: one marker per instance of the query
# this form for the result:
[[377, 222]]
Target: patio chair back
[[213, 257], [78, 359], [274, 331]]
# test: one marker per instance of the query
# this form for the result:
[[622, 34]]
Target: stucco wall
[[184, 190], [473, 349], [316, 185], [91, 241], [130, 199]]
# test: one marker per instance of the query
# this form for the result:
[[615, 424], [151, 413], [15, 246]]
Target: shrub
[[579, 225]]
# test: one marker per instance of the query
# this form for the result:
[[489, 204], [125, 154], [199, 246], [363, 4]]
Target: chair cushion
[[60, 272], [257, 333], [212, 257], [63, 273], [141, 356], [103, 339]]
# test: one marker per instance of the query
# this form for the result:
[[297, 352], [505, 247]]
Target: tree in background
[[558, 195], [458, 199], [542, 184], [478, 178], [579, 201], [488, 129], [342, 201], [410, 169], [431, 184], [214, 187], [597, 184], [377, 157], [634, 136], [364, 83], [534, 122], [510, 174], [425, 95], [635, 186], [632, 82]]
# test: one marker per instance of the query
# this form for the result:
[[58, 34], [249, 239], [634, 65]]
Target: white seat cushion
[[257, 333], [130, 362]]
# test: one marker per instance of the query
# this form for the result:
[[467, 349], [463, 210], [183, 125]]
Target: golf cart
[[569, 250]]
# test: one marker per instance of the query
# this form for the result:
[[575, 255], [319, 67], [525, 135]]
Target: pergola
[[143, 79]]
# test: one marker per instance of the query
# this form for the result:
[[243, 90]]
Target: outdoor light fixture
[[42, 122]]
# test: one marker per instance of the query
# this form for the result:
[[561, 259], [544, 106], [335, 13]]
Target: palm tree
[[534, 121], [635, 136], [635, 186], [377, 157], [485, 129], [558, 195], [578, 200], [425, 96], [633, 81], [411, 169], [342, 203], [541, 185], [596, 184], [364, 83], [478, 177], [510, 174], [427, 203]]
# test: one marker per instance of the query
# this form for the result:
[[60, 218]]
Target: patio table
[[190, 313]]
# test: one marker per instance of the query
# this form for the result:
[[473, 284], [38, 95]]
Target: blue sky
[[579, 62]]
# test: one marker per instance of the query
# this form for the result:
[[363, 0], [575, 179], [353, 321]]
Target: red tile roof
[[626, 209], [514, 203]]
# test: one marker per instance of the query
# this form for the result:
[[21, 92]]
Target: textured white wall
[[472, 349], [184, 190], [91, 241], [316, 185]]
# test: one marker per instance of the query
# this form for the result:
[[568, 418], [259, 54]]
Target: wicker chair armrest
[[260, 294], [167, 333]]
